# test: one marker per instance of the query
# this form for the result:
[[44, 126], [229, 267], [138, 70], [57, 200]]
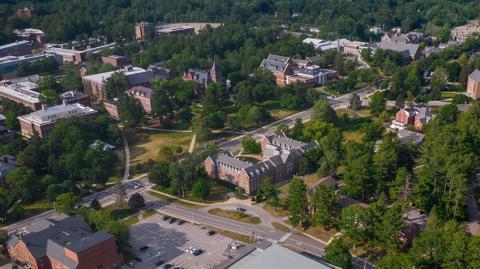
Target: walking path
[[192, 144]]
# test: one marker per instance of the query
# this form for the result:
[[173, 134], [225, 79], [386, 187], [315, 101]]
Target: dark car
[[165, 218], [210, 233], [167, 266], [197, 252], [180, 222], [172, 220], [239, 209], [144, 248], [138, 259], [159, 262]]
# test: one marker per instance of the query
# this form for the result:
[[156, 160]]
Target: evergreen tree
[[297, 202]]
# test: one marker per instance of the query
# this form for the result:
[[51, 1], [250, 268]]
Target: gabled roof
[[278, 58], [274, 65], [408, 49], [475, 75]]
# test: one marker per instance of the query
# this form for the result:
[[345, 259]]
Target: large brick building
[[281, 158], [18, 48], [204, 77], [288, 71], [42, 122], [473, 85], [22, 91], [95, 84], [416, 116], [144, 96], [64, 243]]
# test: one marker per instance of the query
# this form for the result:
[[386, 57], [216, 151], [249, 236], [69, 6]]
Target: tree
[[396, 261], [250, 145], [130, 111], [200, 189], [354, 223], [337, 253], [159, 174], [116, 85], [322, 111], [355, 102], [24, 183], [339, 64], [49, 83], [392, 225], [95, 204], [48, 97], [400, 188], [297, 202], [66, 203], [377, 103], [136, 202], [325, 205], [269, 192]]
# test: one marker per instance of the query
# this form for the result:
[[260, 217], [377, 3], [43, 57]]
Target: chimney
[[44, 107]]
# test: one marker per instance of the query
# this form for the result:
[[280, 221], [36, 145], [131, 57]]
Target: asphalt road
[[343, 101]]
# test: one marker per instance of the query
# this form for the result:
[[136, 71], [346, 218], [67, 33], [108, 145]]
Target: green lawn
[[218, 193], [448, 95], [233, 235], [276, 111], [320, 233], [119, 213], [145, 145], [149, 213], [36, 208], [131, 220], [232, 214], [173, 200], [280, 227], [353, 136]]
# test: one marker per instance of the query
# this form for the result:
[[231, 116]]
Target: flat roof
[[277, 257], [54, 113], [17, 43], [21, 88], [99, 78]]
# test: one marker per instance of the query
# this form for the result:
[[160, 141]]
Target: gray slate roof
[[475, 75], [408, 49]]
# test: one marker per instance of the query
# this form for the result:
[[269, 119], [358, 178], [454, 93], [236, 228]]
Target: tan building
[[473, 85], [42, 122], [22, 91], [281, 159]]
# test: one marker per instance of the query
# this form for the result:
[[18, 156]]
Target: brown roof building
[[65, 242], [281, 155], [473, 85]]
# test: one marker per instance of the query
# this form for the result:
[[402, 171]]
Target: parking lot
[[171, 240]]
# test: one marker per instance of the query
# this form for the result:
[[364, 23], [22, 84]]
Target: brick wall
[[473, 89]]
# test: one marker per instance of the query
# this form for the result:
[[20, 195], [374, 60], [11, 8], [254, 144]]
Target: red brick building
[[204, 77], [144, 30], [280, 67], [74, 97], [115, 60], [26, 12], [64, 243], [416, 116], [281, 158], [144, 95]]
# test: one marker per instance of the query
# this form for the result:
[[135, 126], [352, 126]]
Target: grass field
[[233, 235], [218, 193], [275, 110], [149, 213], [277, 211], [353, 136], [173, 200], [131, 220], [231, 214], [117, 212], [321, 233], [145, 145], [280, 227], [36, 208]]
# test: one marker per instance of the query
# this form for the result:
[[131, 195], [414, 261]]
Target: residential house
[[473, 85], [42, 121], [64, 242], [281, 158], [22, 91], [416, 116]]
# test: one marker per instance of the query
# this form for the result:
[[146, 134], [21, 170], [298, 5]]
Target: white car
[[159, 254]]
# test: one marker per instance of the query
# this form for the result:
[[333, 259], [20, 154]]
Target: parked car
[[171, 220], [180, 222], [197, 252], [138, 259], [144, 248], [159, 254], [167, 266], [159, 262], [240, 209], [210, 233], [165, 218]]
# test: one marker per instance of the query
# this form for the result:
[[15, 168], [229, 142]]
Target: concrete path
[[192, 144]]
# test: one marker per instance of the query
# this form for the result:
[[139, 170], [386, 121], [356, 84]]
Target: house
[[280, 67], [204, 77], [406, 137], [18, 48], [416, 116], [415, 222], [94, 85], [473, 85], [73, 97], [115, 60], [281, 158], [42, 121], [22, 91], [7, 165], [64, 242]]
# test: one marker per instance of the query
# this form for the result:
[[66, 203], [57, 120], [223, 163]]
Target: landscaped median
[[236, 215]]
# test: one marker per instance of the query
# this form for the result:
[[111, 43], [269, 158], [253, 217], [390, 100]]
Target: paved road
[[260, 231], [105, 197]]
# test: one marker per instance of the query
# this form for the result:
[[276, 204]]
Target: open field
[[145, 145]]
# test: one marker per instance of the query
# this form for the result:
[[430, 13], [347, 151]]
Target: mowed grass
[[173, 200], [231, 214], [117, 212], [131, 220], [321, 233], [145, 145], [356, 136], [280, 227], [233, 235], [149, 213], [218, 193], [37, 208]]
